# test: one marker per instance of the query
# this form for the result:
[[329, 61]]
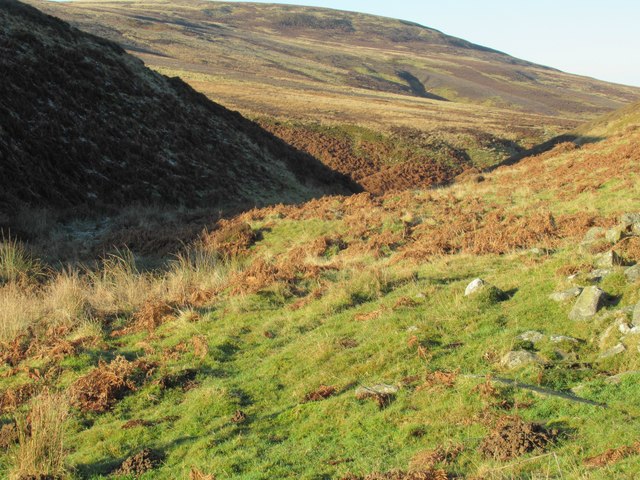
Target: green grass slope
[[243, 356]]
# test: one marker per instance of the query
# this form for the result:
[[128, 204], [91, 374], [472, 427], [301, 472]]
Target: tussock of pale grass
[[197, 270], [66, 300], [16, 263], [119, 286], [41, 451], [19, 309]]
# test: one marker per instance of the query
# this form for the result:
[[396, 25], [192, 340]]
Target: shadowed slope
[[84, 123]]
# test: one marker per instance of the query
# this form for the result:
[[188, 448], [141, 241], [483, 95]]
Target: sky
[[596, 38]]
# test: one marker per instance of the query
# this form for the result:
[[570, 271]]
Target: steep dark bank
[[84, 125]]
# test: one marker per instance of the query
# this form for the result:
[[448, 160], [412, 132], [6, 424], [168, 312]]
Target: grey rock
[[635, 317], [588, 304], [631, 222], [632, 274], [610, 259], [617, 379], [563, 339], [474, 287], [627, 329], [412, 329], [615, 235], [380, 390], [532, 336], [612, 352], [598, 275], [520, 358], [421, 295], [594, 233], [566, 295]]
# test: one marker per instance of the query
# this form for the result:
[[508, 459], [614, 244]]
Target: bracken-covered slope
[[313, 48], [333, 339], [83, 123]]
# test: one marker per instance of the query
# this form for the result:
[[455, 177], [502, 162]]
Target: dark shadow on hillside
[[543, 148], [417, 87]]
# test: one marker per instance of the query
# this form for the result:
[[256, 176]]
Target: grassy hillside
[[356, 91], [246, 355], [309, 49]]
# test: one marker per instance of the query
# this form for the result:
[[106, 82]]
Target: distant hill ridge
[[308, 47], [84, 124]]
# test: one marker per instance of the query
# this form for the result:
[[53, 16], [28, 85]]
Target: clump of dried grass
[[41, 443]]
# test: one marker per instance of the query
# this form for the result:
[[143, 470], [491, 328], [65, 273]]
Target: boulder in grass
[[484, 292], [475, 286], [520, 358], [614, 351], [566, 295], [635, 318], [632, 274], [532, 336], [610, 259], [615, 235], [588, 304], [631, 222]]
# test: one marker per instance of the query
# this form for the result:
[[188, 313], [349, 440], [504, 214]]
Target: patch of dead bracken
[[196, 474], [200, 346], [140, 463], [149, 317], [230, 239], [612, 456], [429, 474], [137, 422], [321, 393], [512, 437], [184, 379], [14, 397], [238, 416], [440, 456], [8, 435], [101, 388]]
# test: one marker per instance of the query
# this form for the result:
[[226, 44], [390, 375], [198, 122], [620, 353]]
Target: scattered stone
[[610, 259], [566, 295], [412, 329], [612, 352], [632, 274], [631, 222], [520, 358], [627, 329], [421, 295], [563, 339], [475, 286], [615, 235], [594, 234], [598, 275], [588, 304], [381, 393], [617, 379], [635, 318], [532, 336]]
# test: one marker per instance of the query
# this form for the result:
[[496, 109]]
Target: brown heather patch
[[153, 313], [512, 437], [629, 248], [13, 398], [321, 393], [101, 388], [196, 474], [612, 456], [140, 463], [230, 239], [430, 474], [441, 455]]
